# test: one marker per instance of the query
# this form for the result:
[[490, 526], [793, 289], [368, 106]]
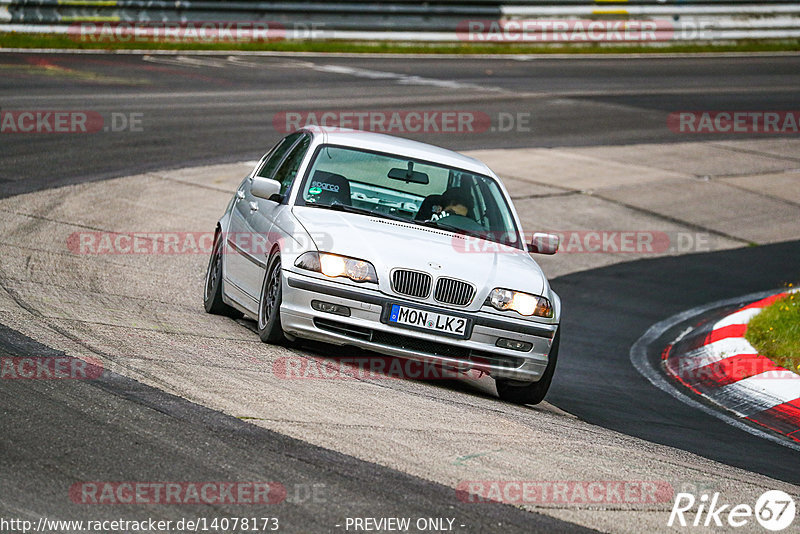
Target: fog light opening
[[329, 307], [513, 344]]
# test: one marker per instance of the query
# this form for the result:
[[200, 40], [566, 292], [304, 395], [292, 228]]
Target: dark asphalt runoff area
[[608, 309], [213, 109]]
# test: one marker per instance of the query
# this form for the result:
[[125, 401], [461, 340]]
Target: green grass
[[775, 332], [35, 40]]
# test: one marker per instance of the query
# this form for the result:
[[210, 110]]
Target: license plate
[[428, 320]]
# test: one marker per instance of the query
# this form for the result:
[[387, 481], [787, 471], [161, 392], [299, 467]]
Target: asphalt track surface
[[215, 109], [114, 428], [219, 110]]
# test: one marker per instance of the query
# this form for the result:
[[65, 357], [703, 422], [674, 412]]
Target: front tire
[[212, 291], [534, 392], [269, 306]]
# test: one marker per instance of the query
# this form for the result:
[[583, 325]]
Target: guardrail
[[532, 21]]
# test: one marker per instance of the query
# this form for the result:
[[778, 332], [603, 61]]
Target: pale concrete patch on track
[[685, 188], [571, 170], [142, 316], [728, 211], [785, 185], [776, 147], [709, 159]]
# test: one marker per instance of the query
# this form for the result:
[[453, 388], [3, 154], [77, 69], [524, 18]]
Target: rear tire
[[534, 392], [269, 306], [212, 291]]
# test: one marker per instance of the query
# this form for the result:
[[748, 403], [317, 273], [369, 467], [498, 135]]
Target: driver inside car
[[455, 211]]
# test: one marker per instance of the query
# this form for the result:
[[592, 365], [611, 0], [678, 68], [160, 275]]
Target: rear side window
[[273, 160], [287, 171]]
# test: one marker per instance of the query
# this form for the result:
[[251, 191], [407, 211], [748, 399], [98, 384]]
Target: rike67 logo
[[774, 510]]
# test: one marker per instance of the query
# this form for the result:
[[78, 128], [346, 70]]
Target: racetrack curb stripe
[[653, 372], [733, 330], [727, 370], [735, 368]]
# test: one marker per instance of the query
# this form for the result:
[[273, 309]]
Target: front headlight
[[522, 303], [334, 265]]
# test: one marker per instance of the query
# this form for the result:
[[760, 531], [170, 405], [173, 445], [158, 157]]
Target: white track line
[[714, 352], [740, 317], [761, 392]]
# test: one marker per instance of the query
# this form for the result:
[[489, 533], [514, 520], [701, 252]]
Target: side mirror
[[264, 187], [542, 243]]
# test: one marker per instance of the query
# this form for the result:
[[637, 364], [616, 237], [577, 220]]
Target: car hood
[[389, 244]]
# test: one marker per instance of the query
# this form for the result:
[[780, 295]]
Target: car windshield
[[419, 192]]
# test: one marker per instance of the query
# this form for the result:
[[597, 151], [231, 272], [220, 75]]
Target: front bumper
[[364, 329]]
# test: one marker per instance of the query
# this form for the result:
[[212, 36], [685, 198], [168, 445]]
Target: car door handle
[[239, 195], [254, 206]]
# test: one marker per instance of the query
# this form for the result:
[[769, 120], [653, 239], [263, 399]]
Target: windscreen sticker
[[325, 185]]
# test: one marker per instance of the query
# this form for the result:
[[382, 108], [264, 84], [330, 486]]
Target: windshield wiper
[[486, 236], [338, 206]]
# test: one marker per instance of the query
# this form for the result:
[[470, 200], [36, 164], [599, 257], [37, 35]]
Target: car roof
[[398, 145]]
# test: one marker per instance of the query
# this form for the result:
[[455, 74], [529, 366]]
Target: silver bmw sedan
[[390, 245]]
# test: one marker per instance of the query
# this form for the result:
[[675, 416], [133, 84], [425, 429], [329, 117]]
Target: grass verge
[[38, 40], [775, 332]]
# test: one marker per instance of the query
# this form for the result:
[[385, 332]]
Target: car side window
[[271, 162], [287, 172]]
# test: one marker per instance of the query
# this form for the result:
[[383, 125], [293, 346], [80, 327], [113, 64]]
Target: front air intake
[[452, 291], [411, 283]]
